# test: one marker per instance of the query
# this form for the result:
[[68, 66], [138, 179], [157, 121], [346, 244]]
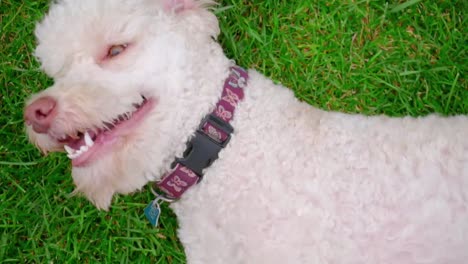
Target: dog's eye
[[116, 50]]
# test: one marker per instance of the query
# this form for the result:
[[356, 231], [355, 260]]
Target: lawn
[[371, 57]]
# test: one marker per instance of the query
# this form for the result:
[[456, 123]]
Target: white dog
[[294, 184]]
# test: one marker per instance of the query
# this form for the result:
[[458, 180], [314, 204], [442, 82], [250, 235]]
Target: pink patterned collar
[[211, 137]]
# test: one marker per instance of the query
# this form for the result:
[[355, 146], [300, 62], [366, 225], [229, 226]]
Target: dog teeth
[[89, 142], [68, 149], [74, 156], [73, 153]]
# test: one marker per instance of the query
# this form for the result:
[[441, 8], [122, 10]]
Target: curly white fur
[[295, 184]]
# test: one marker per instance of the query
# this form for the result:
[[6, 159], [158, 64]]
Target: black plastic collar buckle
[[202, 149]]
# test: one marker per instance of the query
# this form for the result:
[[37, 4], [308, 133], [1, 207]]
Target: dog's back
[[308, 186]]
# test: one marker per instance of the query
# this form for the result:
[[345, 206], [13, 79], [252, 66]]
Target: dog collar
[[212, 135]]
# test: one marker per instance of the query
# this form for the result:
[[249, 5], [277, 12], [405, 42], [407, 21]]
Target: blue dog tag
[[152, 212]]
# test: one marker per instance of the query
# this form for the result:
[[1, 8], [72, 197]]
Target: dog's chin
[[97, 181], [112, 173]]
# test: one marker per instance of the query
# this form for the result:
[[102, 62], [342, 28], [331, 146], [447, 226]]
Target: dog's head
[[120, 69]]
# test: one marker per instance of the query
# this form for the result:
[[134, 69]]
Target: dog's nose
[[40, 114]]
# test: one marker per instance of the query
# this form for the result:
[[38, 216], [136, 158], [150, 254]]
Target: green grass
[[403, 58]]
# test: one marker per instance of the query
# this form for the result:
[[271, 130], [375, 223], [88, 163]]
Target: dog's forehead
[[82, 16], [84, 27]]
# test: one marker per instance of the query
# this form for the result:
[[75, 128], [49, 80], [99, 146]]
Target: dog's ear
[[178, 6], [206, 20]]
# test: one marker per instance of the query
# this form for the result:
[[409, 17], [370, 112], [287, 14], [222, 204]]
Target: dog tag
[[152, 212]]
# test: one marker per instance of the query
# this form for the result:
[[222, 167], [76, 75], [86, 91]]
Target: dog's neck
[[211, 137], [201, 86], [213, 134]]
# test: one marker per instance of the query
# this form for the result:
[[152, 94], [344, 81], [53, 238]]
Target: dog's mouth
[[85, 146]]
